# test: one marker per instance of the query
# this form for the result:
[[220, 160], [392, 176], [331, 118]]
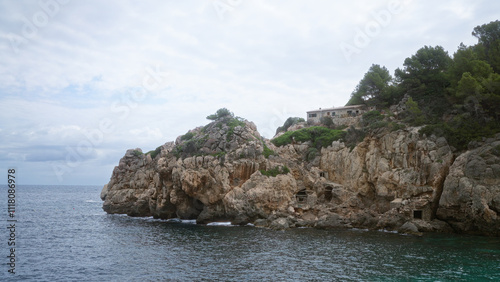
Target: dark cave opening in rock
[[417, 214], [198, 205], [301, 196], [328, 193]]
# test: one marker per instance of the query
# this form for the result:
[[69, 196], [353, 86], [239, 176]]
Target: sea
[[62, 234]]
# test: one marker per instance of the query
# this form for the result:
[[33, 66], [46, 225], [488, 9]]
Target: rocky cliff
[[395, 180]]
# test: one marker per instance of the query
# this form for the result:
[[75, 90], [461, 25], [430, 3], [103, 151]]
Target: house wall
[[335, 114]]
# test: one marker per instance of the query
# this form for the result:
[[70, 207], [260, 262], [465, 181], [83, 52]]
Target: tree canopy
[[372, 88], [223, 112], [457, 96], [488, 46]]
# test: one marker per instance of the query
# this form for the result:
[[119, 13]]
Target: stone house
[[315, 116]]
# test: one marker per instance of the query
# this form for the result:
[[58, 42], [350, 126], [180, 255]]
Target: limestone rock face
[[207, 174], [395, 165], [391, 180], [471, 195]]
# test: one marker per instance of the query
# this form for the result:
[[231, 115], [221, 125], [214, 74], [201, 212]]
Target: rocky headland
[[392, 179]]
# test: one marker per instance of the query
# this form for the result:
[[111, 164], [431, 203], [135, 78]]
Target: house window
[[333, 113], [312, 115]]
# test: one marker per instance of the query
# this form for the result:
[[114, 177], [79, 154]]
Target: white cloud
[[264, 60]]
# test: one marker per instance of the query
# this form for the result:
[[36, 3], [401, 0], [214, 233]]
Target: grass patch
[[137, 153], [273, 172], [267, 152], [187, 136]]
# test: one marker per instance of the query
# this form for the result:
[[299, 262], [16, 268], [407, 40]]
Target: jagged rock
[[409, 228], [280, 224], [470, 201], [391, 180], [329, 221], [432, 226]]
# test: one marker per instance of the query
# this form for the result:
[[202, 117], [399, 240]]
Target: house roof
[[337, 108]]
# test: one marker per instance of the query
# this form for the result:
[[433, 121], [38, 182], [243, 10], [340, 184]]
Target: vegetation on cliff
[[319, 136], [457, 96], [275, 171], [225, 133]]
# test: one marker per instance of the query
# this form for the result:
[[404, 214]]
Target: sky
[[83, 81]]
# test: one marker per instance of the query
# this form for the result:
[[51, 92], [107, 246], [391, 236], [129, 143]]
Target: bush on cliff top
[[318, 135], [187, 136], [223, 112], [155, 152]]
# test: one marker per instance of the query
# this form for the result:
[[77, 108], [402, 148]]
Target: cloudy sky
[[83, 81]]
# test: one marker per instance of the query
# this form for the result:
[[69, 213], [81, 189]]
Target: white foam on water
[[360, 229], [388, 231], [174, 220], [188, 221], [92, 201], [225, 223]]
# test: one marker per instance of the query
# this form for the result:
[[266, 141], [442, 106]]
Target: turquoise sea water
[[62, 234]]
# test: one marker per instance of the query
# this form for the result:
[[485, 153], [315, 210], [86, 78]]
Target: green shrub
[[318, 135], [184, 150], [394, 126], [371, 117], [219, 154], [232, 124], [187, 136], [137, 153], [311, 154], [327, 121], [223, 112], [378, 124], [267, 152], [354, 136], [275, 171], [461, 131], [155, 152]]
